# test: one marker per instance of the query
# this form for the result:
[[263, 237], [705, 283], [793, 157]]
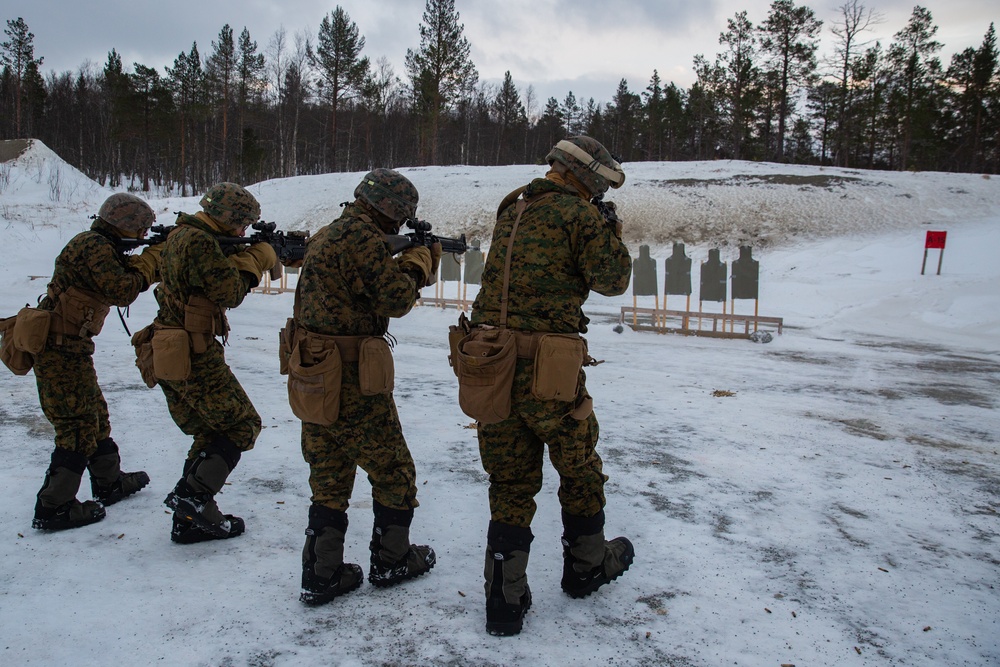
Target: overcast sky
[[584, 46]]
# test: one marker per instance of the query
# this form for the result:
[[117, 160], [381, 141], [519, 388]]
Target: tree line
[[308, 105]]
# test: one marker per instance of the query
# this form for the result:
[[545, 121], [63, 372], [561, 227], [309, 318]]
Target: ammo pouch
[[142, 341], [485, 361], [77, 312], [171, 347], [314, 380], [376, 371], [558, 362], [18, 361], [31, 330], [204, 320]]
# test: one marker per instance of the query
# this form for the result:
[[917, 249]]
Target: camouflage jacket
[[193, 263], [563, 249], [350, 285], [91, 261]]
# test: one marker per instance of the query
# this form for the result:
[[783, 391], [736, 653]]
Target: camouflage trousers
[[367, 434], [512, 452], [70, 396], [212, 403]]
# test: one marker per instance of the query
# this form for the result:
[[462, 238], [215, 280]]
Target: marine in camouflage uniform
[[92, 267], [349, 288], [563, 248], [210, 405]]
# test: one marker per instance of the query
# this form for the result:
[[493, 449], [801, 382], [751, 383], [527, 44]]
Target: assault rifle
[[421, 235], [290, 247], [607, 209], [158, 234]]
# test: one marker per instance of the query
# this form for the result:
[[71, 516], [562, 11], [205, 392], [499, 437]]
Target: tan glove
[[435, 262], [255, 260], [147, 263], [418, 260]]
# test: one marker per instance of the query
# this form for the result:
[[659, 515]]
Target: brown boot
[[57, 507], [107, 481], [325, 575]]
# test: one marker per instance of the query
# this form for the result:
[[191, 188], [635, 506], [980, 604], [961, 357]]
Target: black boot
[[197, 517], [589, 561], [393, 558], [107, 481], [325, 575], [57, 507], [507, 594]]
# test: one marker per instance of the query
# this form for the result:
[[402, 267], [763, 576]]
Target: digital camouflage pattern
[[367, 434], [351, 286], [70, 396], [512, 453], [231, 205], [388, 192], [211, 401], [563, 249], [128, 213]]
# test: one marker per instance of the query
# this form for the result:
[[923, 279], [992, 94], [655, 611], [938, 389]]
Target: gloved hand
[[147, 263], [435, 261], [418, 260], [255, 260]]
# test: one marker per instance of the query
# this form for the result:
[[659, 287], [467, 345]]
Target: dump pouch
[[142, 341], [485, 361], [376, 372], [314, 388], [204, 320], [558, 362], [171, 354], [80, 312], [31, 330], [17, 361], [286, 341]]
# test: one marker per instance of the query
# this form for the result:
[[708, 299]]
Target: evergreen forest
[[315, 102]]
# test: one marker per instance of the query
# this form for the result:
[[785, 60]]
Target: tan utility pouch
[[31, 330], [376, 372], [171, 354], [81, 313], [557, 367], [18, 361], [314, 389], [203, 320], [142, 341], [485, 361], [285, 344], [455, 336]]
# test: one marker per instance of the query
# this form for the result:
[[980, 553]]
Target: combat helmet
[[590, 162], [127, 213], [388, 192], [231, 205]]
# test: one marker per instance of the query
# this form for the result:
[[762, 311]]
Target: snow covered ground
[[841, 508]]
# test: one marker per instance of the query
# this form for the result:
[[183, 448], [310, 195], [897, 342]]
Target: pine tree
[[441, 70], [510, 115], [186, 80], [18, 53], [220, 71], [915, 71], [855, 19], [341, 66], [250, 81], [741, 85], [789, 38]]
